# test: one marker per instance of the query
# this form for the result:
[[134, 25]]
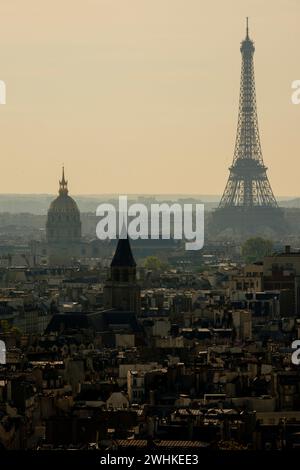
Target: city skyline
[[101, 93], [150, 231]]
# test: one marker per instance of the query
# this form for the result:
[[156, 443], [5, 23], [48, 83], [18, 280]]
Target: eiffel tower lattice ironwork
[[248, 186]]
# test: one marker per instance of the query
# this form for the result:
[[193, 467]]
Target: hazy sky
[[141, 96]]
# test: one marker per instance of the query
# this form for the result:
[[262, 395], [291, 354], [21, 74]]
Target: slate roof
[[104, 320], [123, 256]]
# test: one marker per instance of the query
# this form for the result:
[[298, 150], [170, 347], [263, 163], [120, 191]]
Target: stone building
[[121, 291], [63, 227]]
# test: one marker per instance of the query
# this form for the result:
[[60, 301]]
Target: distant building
[[249, 280], [121, 290], [63, 227], [242, 322], [282, 272], [136, 386]]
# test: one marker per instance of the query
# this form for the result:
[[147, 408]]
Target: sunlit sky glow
[[141, 96]]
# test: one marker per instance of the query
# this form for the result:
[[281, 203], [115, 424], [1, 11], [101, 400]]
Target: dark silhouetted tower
[[121, 291], [248, 200]]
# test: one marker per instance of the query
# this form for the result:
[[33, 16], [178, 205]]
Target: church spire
[[123, 256], [63, 184]]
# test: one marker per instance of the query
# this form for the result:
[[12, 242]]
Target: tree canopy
[[254, 249], [154, 263]]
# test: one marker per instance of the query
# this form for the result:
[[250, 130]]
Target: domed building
[[63, 227]]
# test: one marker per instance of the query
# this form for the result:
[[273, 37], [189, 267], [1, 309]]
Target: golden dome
[[63, 220]]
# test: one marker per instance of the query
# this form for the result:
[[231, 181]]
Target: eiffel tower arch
[[248, 203]]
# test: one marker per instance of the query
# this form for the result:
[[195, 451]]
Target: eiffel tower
[[248, 201]]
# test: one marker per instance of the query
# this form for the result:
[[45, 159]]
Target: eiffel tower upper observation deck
[[248, 200]]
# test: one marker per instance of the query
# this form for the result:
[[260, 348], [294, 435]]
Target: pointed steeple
[[121, 291], [63, 184], [247, 28], [123, 256]]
